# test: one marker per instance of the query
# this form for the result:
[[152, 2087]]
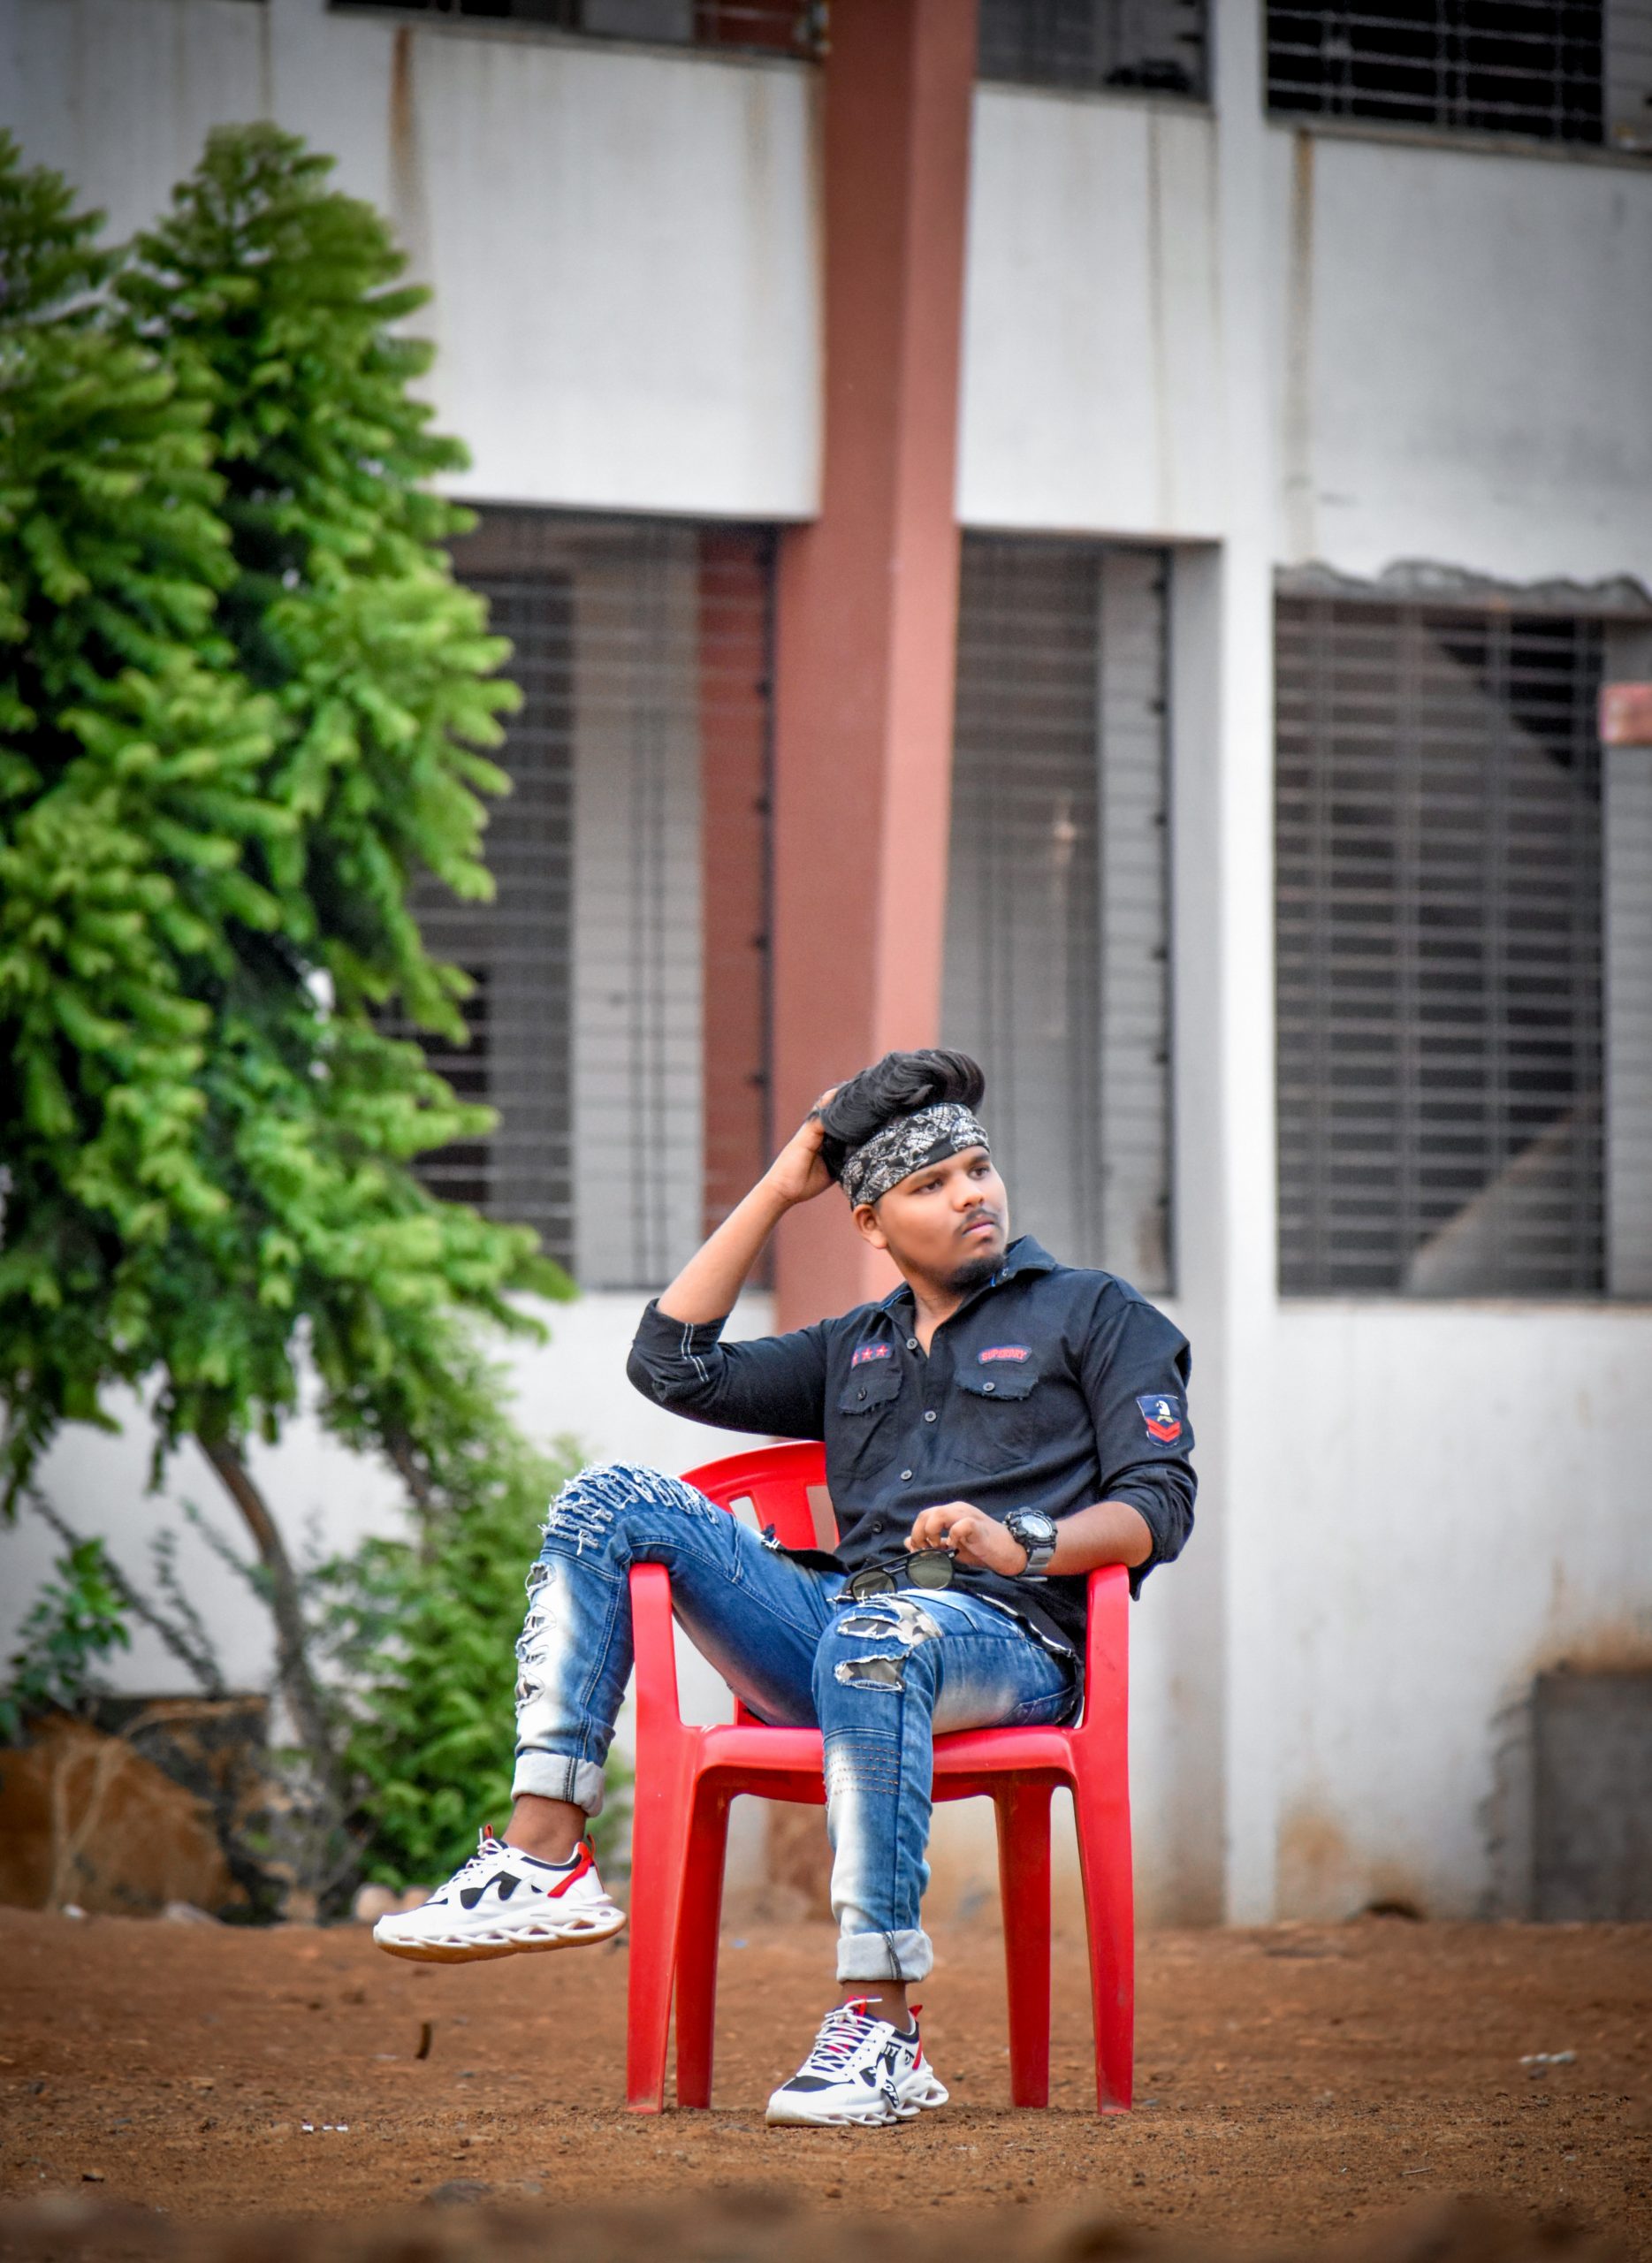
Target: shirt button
[[906, 1476], [989, 1386], [930, 1416], [876, 1525], [861, 1393], [911, 1343]]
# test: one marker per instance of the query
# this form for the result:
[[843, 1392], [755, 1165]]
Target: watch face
[[1033, 1525]]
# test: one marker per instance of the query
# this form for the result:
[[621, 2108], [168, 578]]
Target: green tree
[[244, 709]]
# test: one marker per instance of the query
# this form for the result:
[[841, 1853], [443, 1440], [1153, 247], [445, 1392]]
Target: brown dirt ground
[[1294, 2082]]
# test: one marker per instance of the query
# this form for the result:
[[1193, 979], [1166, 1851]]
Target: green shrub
[[423, 1641], [77, 1620]]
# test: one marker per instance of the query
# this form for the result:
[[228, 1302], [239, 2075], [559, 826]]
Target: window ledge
[[1587, 1306], [1445, 137], [453, 26], [1125, 98]]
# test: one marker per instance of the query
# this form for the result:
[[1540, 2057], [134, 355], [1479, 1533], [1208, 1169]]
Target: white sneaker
[[502, 1902], [861, 2071]]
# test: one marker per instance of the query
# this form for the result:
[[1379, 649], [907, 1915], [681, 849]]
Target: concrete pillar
[[867, 604]]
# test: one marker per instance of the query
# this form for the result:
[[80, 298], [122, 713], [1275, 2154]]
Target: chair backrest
[[783, 1486]]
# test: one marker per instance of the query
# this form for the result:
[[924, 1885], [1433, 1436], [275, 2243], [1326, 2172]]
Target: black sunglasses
[[923, 1567]]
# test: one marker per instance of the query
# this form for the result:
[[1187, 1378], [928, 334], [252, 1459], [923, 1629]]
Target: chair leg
[[698, 1929], [1024, 1874], [1101, 1805], [659, 1847]]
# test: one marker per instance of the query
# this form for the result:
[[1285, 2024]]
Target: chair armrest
[[1106, 1650], [653, 1642]]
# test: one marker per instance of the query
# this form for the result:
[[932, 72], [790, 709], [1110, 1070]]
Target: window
[[1056, 966], [760, 27], [1438, 848], [1575, 70], [1140, 46], [618, 1018]]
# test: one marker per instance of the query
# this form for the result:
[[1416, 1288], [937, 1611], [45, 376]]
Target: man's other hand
[[797, 1174], [974, 1538]]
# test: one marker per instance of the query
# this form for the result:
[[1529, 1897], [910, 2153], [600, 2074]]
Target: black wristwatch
[[1037, 1534]]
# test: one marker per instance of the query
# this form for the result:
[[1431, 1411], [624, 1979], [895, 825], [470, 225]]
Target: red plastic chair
[[686, 1777]]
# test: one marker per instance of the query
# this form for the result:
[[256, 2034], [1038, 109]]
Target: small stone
[[458, 2192], [185, 1913], [373, 1902], [91, 2176]]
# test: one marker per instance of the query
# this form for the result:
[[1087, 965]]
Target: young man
[[1010, 1420]]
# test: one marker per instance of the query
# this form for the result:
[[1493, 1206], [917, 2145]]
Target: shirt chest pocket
[[865, 1426], [999, 1412]]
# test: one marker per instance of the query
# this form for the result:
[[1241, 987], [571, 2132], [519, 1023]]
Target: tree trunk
[[399, 1446], [292, 1670]]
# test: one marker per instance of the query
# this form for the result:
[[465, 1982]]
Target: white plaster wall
[[1438, 352], [1460, 1499], [1463, 373], [1093, 369], [573, 1388], [621, 240]]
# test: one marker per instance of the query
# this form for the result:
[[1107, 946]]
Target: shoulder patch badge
[[864, 1351], [1004, 1352], [1162, 1415]]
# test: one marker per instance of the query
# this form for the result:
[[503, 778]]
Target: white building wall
[[620, 241]]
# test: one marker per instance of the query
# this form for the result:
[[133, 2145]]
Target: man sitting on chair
[[995, 1429]]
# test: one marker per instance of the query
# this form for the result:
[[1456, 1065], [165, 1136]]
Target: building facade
[[1093, 531]]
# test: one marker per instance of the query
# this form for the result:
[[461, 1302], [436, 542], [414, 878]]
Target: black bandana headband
[[908, 1144]]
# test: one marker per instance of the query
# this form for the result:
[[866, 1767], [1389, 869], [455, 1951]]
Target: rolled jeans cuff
[[904, 1955], [555, 1776]]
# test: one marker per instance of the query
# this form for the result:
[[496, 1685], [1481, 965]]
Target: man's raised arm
[[774, 1384]]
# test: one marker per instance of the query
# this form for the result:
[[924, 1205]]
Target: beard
[[974, 1273]]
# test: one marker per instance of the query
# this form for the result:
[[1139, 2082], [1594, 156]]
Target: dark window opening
[[1132, 46], [1439, 951], [1567, 71]]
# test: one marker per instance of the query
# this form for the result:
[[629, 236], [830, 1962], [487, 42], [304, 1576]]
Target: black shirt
[[1050, 1387]]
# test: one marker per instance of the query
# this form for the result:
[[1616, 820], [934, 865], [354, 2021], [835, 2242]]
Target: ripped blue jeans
[[881, 1679]]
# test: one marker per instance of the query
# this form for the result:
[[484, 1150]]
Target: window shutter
[[1544, 70], [1438, 847], [641, 648], [1056, 967], [1146, 46]]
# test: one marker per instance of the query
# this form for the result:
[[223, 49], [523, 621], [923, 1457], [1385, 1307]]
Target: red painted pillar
[[867, 613]]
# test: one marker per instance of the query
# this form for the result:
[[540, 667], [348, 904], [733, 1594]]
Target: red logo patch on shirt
[[1004, 1352], [868, 1352], [1162, 1416]]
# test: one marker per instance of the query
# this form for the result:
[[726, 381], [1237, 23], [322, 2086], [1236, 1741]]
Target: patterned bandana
[[907, 1144]]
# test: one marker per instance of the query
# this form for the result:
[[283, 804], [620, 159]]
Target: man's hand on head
[[974, 1538], [797, 1174]]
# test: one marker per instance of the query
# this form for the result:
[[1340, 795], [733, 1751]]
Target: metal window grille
[[1140, 46], [640, 646], [518, 948], [1574, 71], [1439, 950], [756, 26], [1056, 965]]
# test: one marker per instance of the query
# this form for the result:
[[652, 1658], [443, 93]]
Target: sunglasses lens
[[870, 1582], [932, 1569]]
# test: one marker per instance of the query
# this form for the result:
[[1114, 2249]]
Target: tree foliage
[[243, 705]]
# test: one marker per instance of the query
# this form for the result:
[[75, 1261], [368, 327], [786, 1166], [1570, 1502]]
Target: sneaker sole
[[457, 1950]]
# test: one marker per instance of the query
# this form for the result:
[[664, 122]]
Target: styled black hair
[[895, 1086]]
